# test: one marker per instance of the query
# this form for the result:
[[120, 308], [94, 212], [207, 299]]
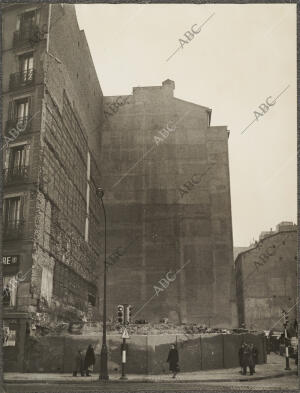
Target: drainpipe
[[49, 21]]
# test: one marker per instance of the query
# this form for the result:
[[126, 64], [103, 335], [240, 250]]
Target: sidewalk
[[273, 369]]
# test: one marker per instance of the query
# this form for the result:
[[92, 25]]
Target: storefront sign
[[10, 260]]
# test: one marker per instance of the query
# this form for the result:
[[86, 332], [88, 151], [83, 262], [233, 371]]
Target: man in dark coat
[[173, 360], [247, 360], [78, 364], [254, 355], [89, 360]]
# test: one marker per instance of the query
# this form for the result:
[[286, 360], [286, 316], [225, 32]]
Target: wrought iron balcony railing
[[23, 78], [15, 175], [21, 124], [13, 229], [26, 36]]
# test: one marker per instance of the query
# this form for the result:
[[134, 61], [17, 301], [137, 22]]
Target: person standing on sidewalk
[[173, 360], [241, 351], [254, 355], [78, 364], [89, 360], [247, 360]]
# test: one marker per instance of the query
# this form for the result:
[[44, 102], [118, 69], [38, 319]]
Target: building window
[[12, 217], [10, 286], [27, 21], [18, 113], [27, 28], [16, 164], [12, 209], [18, 157], [26, 67], [22, 109]]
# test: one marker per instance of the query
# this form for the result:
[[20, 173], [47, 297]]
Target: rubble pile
[[44, 326]]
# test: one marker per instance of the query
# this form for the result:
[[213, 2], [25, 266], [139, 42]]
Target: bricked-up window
[[69, 286], [76, 144], [47, 284]]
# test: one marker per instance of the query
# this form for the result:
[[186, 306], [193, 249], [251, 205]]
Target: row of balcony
[[22, 124], [22, 79], [15, 175], [28, 35]]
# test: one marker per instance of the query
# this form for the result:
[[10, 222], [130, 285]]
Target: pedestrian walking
[[247, 359], [78, 364], [173, 360], [89, 360], [254, 355]]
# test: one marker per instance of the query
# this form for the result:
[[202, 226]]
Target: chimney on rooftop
[[169, 86]]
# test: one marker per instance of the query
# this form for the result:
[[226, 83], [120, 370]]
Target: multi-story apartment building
[[266, 279], [52, 116], [166, 175]]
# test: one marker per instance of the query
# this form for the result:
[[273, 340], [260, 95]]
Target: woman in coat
[[89, 360], [78, 364], [241, 351], [173, 360]]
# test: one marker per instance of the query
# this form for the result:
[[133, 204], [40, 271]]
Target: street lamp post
[[103, 356]]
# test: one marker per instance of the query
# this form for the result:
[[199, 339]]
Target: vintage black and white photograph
[[149, 197]]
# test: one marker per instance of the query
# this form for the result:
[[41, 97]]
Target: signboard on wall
[[10, 259]]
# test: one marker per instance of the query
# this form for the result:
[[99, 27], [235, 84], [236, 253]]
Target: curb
[[96, 382]]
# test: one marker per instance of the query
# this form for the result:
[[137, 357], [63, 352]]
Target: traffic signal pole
[[124, 336], [286, 342], [287, 359], [123, 359]]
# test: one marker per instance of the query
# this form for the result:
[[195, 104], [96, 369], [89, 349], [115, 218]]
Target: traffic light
[[286, 318], [128, 313], [120, 313]]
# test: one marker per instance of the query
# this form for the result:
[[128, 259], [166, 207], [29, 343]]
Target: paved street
[[220, 380], [284, 383]]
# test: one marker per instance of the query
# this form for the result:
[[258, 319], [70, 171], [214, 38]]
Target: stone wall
[[166, 175], [266, 279], [65, 246]]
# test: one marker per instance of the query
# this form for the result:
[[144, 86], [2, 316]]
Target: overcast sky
[[242, 55]]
